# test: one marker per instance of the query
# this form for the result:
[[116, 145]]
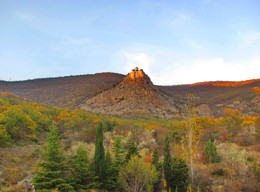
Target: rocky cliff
[[135, 94]]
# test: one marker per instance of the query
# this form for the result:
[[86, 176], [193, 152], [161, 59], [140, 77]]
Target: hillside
[[116, 93], [241, 95], [62, 91], [24, 126], [135, 94]]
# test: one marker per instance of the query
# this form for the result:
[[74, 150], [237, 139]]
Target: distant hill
[[116, 93], [241, 95], [66, 92], [224, 83]]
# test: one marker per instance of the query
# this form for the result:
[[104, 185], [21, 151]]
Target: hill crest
[[135, 94]]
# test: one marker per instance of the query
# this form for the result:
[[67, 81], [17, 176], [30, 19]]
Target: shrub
[[211, 152], [219, 172]]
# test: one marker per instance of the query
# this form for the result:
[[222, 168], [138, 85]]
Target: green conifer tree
[[110, 181], [99, 157], [82, 177], [157, 165], [132, 151], [179, 177], [51, 173], [114, 165], [167, 163], [119, 152], [155, 160], [211, 152], [175, 170]]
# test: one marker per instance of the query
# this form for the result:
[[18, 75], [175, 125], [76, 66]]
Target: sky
[[173, 41]]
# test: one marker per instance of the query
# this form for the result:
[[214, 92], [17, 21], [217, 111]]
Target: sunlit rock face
[[137, 78], [135, 94]]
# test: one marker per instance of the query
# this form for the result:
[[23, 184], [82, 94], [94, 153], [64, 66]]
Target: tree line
[[124, 170]]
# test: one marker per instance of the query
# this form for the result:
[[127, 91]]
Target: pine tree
[[111, 176], [51, 174], [82, 177], [167, 163], [132, 151], [113, 166], [155, 160], [157, 165], [179, 175], [175, 170], [211, 152], [108, 158], [119, 152], [99, 157]]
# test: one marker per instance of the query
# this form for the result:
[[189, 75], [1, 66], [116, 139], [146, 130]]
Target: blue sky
[[174, 41]]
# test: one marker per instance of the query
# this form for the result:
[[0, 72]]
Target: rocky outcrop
[[135, 94], [204, 110]]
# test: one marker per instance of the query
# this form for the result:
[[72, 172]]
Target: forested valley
[[46, 148]]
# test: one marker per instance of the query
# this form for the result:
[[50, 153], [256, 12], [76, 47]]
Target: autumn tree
[[18, 124], [137, 175], [5, 138], [193, 131], [232, 120], [50, 176]]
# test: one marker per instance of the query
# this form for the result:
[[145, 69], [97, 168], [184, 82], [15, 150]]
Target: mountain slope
[[135, 94], [62, 91], [241, 95]]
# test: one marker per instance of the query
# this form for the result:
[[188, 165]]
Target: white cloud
[[141, 60], [185, 71], [198, 64], [209, 70]]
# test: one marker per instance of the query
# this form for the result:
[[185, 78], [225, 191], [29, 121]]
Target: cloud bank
[[192, 71]]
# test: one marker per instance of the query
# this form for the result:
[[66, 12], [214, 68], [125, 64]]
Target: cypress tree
[[51, 173], [179, 178], [82, 177], [167, 163], [155, 160], [99, 157]]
